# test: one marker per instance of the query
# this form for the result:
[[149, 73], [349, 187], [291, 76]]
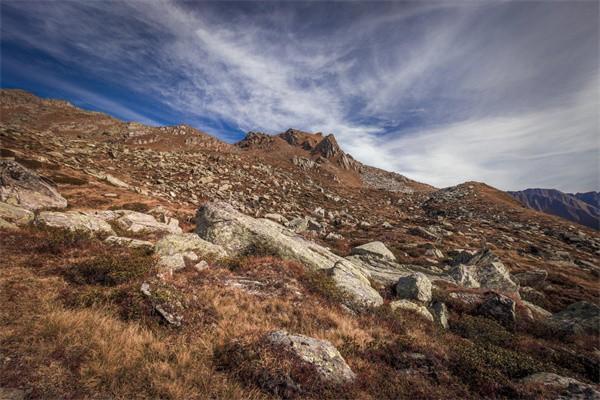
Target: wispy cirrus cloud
[[441, 92]]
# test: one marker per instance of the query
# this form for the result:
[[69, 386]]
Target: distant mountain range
[[583, 208]]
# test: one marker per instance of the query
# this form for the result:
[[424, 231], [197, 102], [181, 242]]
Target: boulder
[[136, 222], [578, 318], [74, 221], [415, 286], [532, 295], [221, 224], [571, 389], [8, 225], [440, 314], [298, 225], [376, 249], [499, 307], [15, 215], [537, 312], [24, 188], [412, 307], [352, 282], [188, 242], [129, 242], [534, 279], [484, 270], [321, 354]]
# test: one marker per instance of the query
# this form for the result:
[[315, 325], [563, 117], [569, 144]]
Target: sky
[[507, 93]]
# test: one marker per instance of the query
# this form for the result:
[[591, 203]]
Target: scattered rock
[[415, 287], [321, 354], [440, 314], [500, 308], [410, 306], [377, 249], [23, 187], [484, 270], [572, 389]]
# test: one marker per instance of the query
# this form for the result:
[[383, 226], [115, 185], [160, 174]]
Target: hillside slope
[[152, 266]]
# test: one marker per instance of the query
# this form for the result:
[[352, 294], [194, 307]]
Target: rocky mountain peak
[[255, 140], [328, 147]]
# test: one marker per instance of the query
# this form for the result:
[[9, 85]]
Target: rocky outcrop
[[237, 233], [571, 389], [321, 354], [24, 188], [578, 318], [74, 221], [415, 286], [15, 215], [484, 270], [134, 222]]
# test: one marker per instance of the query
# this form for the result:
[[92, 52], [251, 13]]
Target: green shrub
[[481, 330], [111, 269]]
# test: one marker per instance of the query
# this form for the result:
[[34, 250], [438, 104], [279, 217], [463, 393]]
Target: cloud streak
[[440, 92]]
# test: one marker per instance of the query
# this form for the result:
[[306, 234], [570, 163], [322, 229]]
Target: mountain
[[160, 262], [582, 208]]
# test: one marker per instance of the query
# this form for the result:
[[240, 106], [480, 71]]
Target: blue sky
[[443, 92]]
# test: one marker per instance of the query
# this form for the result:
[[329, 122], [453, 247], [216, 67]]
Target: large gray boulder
[[578, 318], [74, 221], [221, 224], [24, 188], [321, 354], [484, 270], [570, 388], [15, 215], [415, 286], [376, 249]]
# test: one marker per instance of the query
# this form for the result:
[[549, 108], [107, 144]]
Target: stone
[[115, 181], [537, 312], [410, 306], [377, 249], [440, 314], [298, 225], [15, 215], [321, 354], [424, 233], [352, 282], [578, 318], [532, 295], [499, 307], [74, 221], [129, 242], [534, 279], [188, 242], [571, 389], [8, 225], [201, 266], [173, 262], [24, 188], [414, 287], [334, 236], [484, 270], [136, 222], [435, 253], [221, 224]]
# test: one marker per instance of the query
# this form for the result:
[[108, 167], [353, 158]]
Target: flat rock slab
[[376, 248], [14, 214], [74, 221], [24, 188]]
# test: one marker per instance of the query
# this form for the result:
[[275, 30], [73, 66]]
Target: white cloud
[[498, 96]]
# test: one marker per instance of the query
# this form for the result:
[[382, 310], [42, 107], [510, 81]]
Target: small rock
[[374, 249], [500, 308], [410, 306], [440, 314]]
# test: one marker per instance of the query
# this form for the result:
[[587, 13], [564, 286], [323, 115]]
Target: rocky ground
[[142, 262]]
